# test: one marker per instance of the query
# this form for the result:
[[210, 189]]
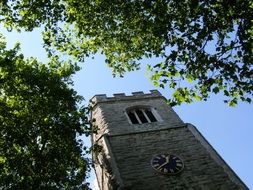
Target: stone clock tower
[[146, 146]]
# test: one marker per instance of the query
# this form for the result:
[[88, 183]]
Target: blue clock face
[[167, 164]]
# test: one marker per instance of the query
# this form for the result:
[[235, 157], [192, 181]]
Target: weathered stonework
[[124, 162]]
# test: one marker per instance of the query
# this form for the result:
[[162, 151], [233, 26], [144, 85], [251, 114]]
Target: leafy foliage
[[203, 46], [40, 123]]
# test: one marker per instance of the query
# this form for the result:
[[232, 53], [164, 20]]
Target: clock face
[[167, 164]]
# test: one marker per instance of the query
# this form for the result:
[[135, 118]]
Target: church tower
[[146, 146]]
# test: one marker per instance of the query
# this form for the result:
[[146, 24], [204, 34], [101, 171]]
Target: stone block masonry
[[133, 153]]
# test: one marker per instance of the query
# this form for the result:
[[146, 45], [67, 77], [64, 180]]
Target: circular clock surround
[[169, 164]]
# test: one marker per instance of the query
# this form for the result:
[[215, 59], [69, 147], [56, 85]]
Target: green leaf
[[190, 79], [233, 102], [226, 93], [248, 100], [216, 89], [198, 98]]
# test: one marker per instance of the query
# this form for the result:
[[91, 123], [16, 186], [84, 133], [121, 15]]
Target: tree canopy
[[206, 43], [203, 46], [40, 124]]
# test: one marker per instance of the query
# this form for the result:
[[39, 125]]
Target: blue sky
[[228, 129]]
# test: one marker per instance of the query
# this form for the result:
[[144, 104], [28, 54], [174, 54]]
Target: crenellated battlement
[[122, 96]]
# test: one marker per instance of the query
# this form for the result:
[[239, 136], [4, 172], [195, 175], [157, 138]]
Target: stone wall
[[203, 168]]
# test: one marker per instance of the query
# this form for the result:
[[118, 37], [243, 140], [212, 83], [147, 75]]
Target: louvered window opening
[[140, 116]]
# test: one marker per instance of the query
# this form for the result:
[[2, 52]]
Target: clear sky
[[228, 129]]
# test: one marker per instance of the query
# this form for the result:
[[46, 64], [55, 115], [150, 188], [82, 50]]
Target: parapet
[[121, 96]]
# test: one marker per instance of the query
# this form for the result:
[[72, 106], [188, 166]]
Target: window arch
[[140, 115]]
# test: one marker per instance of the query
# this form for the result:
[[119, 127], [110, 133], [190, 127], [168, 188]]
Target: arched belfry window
[[139, 115]]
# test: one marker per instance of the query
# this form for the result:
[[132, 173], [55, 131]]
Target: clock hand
[[168, 159], [162, 165], [166, 162]]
